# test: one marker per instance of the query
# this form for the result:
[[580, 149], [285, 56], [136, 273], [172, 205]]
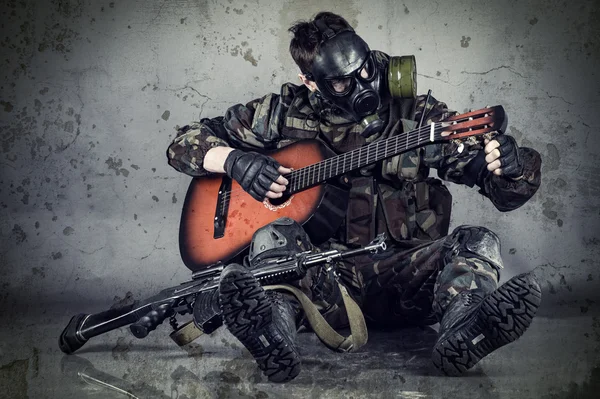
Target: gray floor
[[559, 357]]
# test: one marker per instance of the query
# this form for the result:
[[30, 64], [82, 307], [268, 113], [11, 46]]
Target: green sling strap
[[331, 338]]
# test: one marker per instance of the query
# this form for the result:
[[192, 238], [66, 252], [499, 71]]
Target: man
[[426, 275]]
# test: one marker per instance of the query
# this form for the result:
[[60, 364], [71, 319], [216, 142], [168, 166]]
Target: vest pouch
[[434, 207], [360, 215], [398, 210]]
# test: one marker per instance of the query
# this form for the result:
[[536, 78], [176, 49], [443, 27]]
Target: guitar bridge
[[222, 207]]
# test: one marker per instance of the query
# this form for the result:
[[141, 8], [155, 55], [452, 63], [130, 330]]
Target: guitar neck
[[317, 173]]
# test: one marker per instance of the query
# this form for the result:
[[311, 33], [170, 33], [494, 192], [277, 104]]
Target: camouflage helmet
[[283, 237]]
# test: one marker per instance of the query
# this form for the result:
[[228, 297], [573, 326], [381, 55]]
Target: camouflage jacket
[[395, 195]]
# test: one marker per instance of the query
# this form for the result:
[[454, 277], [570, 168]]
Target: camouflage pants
[[401, 287]]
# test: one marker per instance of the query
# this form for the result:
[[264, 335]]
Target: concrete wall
[[91, 93]]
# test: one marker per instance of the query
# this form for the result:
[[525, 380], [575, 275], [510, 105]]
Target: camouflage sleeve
[[190, 145], [254, 126], [469, 167]]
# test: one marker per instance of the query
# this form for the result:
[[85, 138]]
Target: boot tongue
[[283, 314]]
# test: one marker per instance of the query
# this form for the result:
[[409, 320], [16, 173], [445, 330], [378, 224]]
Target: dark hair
[[304, 45]]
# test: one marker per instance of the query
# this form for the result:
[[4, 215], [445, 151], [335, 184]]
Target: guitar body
[[319, 209], [219, 217]]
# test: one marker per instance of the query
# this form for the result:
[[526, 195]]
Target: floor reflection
[[394, 364], [87, 380]]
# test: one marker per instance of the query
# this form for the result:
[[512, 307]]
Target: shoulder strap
[[331, 338]]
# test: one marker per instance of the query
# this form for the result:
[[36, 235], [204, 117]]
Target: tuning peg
[[454, 123], [470, 118], [487, 106], [486, 115]]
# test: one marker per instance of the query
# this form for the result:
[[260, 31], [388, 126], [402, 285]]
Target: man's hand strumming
[[259, 175]]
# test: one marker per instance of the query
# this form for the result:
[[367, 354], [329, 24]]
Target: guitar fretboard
[[317, 173]]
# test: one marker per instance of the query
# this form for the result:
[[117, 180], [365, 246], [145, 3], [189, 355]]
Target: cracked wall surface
[[91, 93]]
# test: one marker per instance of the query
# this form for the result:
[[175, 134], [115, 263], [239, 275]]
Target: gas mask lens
[[342, 85], [367, 71]]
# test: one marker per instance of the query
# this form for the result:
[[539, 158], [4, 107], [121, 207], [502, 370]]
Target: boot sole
[[502, 318], [248, 314]]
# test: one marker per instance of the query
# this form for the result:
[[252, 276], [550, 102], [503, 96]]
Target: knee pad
[[283, 237], [474, 242]]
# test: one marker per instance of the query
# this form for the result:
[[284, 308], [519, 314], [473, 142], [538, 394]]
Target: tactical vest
[[395, 195]]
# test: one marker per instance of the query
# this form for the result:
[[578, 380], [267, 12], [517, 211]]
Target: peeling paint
[[248, 57], [194, 350], [19, 235], [587, 390], [186, 381], [13, 378], [8, 107], [549, 211], [120, 350], [119, 302], [464, 42], [38, 271], [116, 165], [552, 160]]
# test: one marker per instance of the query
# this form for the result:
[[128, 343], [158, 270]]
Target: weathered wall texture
[[91, 92]]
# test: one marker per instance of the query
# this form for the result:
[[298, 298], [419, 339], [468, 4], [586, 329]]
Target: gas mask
[[349, 77]]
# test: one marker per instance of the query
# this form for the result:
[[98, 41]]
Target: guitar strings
[[358, 156], [308, 170], [412, 137]]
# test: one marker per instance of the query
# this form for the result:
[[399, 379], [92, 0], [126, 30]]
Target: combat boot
[[474, 324], [263, 321]]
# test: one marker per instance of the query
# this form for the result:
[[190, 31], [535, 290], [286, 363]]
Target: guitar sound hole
[[279, 201]]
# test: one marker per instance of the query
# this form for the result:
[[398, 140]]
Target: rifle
[[198, 296]]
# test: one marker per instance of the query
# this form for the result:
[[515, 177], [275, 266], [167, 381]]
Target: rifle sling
[[331, 338], [186, 333]]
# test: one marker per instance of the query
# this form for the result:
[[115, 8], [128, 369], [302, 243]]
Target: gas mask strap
[[326, 32]]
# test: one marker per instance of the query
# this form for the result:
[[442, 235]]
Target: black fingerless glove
[[510, 160], [253, 171]]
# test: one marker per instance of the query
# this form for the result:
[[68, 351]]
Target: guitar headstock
[[475, 123]]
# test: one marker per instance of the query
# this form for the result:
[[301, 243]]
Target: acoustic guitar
[[219, 217]]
